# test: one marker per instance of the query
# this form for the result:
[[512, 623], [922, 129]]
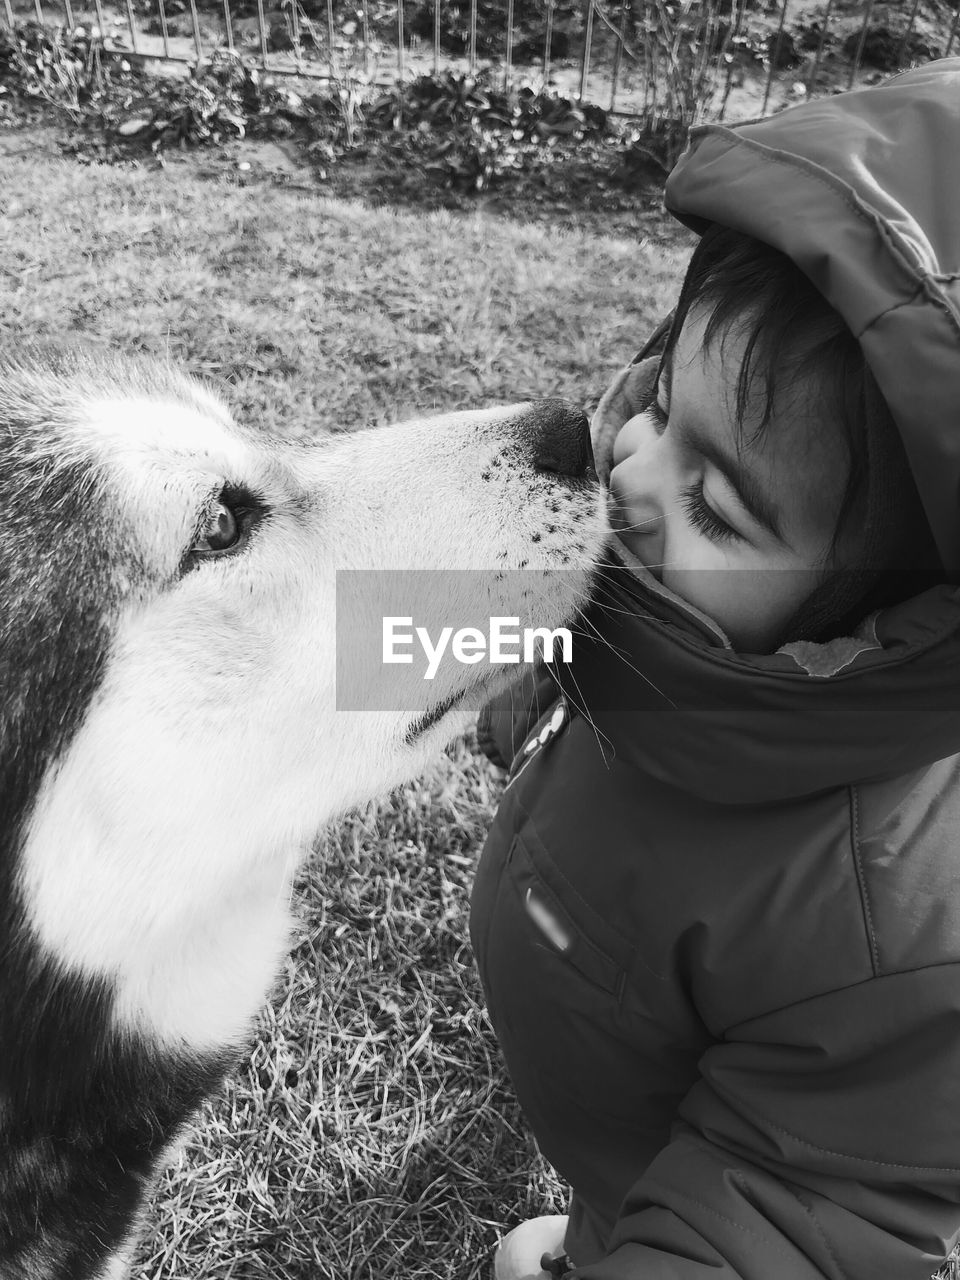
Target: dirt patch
[[574, 193], [588, 189]]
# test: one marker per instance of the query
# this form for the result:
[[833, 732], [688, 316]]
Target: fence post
[[649, 70], [400, 47], [262, 26], [228, 25], [436, 37], [774, 54], [587, 42], [906, 34], [509, 58], [736, 15], [473, 36], [195, 19], [68, 13], [130, 20], [953, 34], [163, 28], [295, 32], [548, 41], [703, 64], [855, 65], [812, 77], [618, 56], [8, 10]]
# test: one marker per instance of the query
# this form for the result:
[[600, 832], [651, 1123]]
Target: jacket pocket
[[554, 926]]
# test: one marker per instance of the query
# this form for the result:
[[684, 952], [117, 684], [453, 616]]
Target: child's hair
[[791, 333]]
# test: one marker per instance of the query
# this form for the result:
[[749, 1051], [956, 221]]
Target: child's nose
[[559, 432], [638, 489]]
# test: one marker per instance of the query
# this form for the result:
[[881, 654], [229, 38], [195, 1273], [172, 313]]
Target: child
[[717, 919]]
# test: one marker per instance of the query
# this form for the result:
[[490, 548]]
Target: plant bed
[[439, 142]]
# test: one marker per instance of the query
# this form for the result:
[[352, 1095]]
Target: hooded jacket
[[717, 918]]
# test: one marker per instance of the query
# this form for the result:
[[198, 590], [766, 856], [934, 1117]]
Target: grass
[[371, 1132], [319, 315]]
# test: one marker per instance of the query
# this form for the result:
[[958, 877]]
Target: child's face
[[743, 534]]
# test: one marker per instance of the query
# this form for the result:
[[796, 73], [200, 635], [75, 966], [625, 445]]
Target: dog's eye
[[226, 526], [221, 533]]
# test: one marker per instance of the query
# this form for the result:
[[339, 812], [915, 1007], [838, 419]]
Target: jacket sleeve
[[822, 1140], [507, 721]]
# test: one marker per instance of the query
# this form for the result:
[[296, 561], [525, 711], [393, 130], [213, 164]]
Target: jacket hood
[[862, 191]]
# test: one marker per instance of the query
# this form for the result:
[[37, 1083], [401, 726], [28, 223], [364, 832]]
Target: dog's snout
[[560, 435]]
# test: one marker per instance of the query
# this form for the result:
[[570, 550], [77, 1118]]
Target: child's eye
[[702, 516]]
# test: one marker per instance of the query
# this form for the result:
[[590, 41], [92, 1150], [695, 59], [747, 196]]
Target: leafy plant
[[104, 95], [471, 134], [51, 65], [463, 132]]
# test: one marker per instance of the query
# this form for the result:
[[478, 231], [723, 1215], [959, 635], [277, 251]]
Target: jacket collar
[[666, 693]]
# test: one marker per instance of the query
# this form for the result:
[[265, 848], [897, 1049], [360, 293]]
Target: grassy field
[[371, 1132]]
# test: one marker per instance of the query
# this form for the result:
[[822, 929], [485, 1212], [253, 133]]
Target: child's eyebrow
[[743, 482]]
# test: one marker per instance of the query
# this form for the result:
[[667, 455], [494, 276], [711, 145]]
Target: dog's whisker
[[620, 656]]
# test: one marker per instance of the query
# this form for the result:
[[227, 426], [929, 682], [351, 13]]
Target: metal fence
[[687, 60]]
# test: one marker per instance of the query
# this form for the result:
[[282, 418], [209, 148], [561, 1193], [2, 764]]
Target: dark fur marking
[[84, 1114]]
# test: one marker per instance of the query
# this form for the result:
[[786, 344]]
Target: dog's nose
[[560, 435]]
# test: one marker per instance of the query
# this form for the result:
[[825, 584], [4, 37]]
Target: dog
[[170, 735]]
